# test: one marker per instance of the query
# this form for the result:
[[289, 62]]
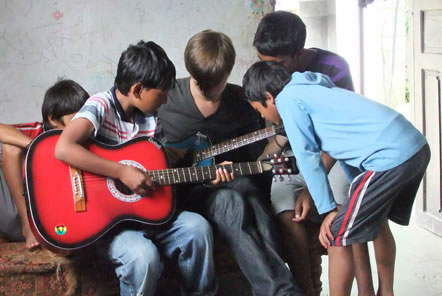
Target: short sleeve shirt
[[104, 111], [180, 118]]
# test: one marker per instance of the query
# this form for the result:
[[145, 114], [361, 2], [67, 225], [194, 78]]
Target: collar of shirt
[[140, 118]]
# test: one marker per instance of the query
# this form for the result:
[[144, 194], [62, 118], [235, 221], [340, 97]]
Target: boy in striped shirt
[[144, 76]]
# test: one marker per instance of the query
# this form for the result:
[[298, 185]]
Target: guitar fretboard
[[236, 143], [199, 174]]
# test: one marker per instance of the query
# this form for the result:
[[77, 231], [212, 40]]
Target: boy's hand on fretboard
[[222, 174]]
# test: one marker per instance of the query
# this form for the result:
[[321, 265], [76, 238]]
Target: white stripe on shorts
[[356, 211]]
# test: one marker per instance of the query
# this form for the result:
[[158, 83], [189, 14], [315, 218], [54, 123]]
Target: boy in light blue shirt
[[384, 157]]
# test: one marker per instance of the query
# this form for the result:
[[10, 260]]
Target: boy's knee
[[227, 202], [228, 211], [198, 227], [12, 150], [133, 254], [144, 259], [139, 269], [244, 185], [147, 264], [286, 217]]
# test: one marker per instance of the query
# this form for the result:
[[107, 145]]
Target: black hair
[[264, 77], [63, 98], [145, 63], [280, 33]]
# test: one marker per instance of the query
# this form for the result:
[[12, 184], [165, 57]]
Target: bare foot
[[31, 241]]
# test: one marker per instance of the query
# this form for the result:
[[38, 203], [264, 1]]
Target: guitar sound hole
[[122, 188]]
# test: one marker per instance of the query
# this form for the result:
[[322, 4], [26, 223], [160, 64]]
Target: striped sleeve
[[95, 110]]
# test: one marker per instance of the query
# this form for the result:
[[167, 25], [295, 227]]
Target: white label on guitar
[[155, 142], [116, 192]]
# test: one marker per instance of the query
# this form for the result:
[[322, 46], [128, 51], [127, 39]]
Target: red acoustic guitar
[[70, 208]]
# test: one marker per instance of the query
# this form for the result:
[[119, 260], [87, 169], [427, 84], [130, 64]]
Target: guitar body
[[64, 221], [194, 144]]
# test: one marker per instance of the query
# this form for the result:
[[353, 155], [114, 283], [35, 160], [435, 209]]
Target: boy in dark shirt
[[206, 103], [281, 37]]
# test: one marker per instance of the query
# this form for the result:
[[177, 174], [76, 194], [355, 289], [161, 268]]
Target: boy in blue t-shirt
[[383, 155]]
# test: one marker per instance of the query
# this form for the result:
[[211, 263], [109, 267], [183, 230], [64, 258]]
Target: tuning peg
[[267, 156], [289, 171], [275, 179], [281, 178], [275, 155]]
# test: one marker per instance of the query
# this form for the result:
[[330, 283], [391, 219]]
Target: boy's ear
[[136, 90], [299, 53], [55, 123], [269, 98]]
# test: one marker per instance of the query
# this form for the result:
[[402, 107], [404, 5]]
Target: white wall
[[319, 17], [82, 40], [385, 52], [335, 25], [347, 37]]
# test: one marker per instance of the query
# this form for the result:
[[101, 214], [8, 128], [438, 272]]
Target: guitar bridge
[[78, 189]]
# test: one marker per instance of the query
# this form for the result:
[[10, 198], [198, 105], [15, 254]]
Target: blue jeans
[[135, 254], [236, 210]]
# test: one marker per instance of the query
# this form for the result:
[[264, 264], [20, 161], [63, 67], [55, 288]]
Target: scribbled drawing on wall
[[82, 40], [57, 15], [257, 6]]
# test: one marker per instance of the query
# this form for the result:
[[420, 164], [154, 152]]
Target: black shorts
[[376, 196]]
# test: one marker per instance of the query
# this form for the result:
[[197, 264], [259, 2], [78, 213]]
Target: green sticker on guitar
[[60, 229]]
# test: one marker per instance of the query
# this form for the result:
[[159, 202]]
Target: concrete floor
[[418, 263]]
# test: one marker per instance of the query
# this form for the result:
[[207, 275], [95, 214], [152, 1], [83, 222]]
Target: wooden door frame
[[415, 45]]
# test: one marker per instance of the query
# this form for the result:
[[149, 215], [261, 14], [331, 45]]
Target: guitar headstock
[[282, 165]]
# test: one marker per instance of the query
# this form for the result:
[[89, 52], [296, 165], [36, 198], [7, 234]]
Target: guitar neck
[[238, 142], [203, 173]]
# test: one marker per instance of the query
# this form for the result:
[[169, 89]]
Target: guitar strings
[[242, 141], [189, 174]]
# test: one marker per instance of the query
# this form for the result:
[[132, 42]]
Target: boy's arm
[[275, 145], [9, 134], [12, 159], [328, 161], [301, 134], [303, 202], [70, 150]]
